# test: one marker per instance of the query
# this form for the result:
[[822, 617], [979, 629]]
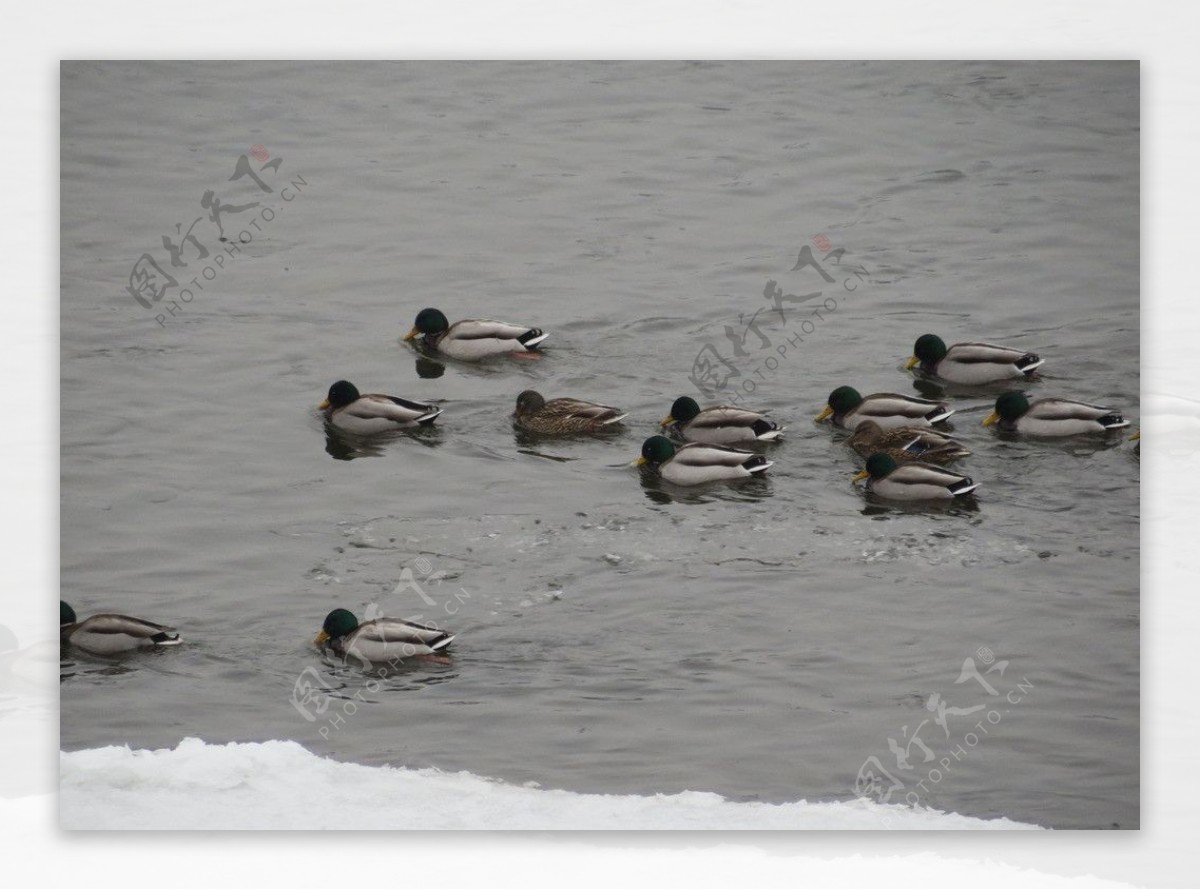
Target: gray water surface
[[761, 640]]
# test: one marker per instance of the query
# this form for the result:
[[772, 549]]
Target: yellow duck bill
[[320, 638], [666, 421], [324, 404], [410, 334], [991, 418], [825, 412], [638, 461], [859, 476], [911, 363]]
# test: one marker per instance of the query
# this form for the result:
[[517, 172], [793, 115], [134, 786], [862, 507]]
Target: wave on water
[[281, 785]]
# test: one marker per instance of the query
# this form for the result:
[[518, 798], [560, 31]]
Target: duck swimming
[[373, 413], [1052, 417], [696, 463], [888, 409], [719, 425], [108, 634], [380, 640], [912, 481], [970, 363], [536, 415], [473, 339]]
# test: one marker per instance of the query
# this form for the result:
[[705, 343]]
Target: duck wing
[[570, 409], [485, 329], [375, 406], [396, 631], [991, 354]]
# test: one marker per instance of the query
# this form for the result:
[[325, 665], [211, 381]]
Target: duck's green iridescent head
[[878, 466], [66, 615], [841, 400], [683, 410], [529, 401], [929, 349], [1009, 406], [338, 623], [430, 322], [656, 450], [340, 394]]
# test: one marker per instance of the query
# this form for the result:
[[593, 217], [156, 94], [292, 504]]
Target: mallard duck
[[719, 425], [112, 634], [383, 639], [534, 414], [971, 362], [1052, 417], [888, 409], [473, 339], [906, 443], [695, 463], [347, 409], [912, 481]]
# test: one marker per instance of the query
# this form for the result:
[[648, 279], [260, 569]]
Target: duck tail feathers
[[1028, 363], [767, 430], [966, 485], [756, 465], [532, 338]]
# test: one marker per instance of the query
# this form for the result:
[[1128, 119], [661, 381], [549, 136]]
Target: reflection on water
[[342, 445], [877, 507], [660, 491], [348, 678], [528, 440], [429, 368], [940, 390], [79, 663]]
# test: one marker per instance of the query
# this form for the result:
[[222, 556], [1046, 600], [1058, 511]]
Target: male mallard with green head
[[473, 339], [380, 640], [888, 409], [696, 463], [373, 413], [1052, 417], [108, 634], [971, 363], [719, 425], [912, 481]]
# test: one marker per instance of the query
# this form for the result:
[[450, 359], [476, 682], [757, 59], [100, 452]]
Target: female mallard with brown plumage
[[535, 414], [906, 443]]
